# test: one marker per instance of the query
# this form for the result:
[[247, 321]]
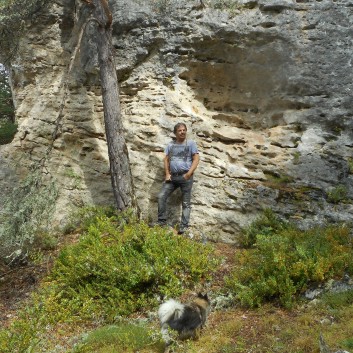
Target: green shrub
[[277, 181], [122, 265], [282, 264], [22, 335], [119, 266], [348, 343], [81, 219], [8, 130], [267, 224]]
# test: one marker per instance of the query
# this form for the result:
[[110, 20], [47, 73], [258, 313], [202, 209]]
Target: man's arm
[[168, 176], [195, 163]]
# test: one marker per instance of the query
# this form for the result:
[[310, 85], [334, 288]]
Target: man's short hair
[[177, 126]]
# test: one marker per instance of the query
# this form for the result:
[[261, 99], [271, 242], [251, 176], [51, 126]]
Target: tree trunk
[[121, 176]]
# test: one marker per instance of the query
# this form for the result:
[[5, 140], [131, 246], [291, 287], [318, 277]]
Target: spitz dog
[[186, 319]]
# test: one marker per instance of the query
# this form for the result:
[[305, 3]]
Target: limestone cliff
[[265, 90]]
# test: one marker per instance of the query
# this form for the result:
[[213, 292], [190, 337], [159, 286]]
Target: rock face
[[264, 88]]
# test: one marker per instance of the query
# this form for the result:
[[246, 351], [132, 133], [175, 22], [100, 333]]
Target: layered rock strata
[[264, 88]]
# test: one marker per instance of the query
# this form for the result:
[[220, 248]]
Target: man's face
[[181, 133]]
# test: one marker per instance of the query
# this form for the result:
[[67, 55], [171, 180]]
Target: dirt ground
[[18, 282], [16, 285]]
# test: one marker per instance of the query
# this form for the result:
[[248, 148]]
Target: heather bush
[[121, 265], [285, 261], [268, 223]]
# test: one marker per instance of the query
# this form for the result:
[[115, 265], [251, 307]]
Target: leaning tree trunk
[[118, 154]]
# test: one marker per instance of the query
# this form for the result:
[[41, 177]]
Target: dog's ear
[[203, 296]]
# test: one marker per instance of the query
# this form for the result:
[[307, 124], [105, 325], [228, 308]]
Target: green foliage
[[123, 266], [119, 266], [74, 180], [122, 337], [6, 104], [283, 263], [23, 333], [277, 181], [267, 224], [83, 218], [296, 157], [26, 216], [338, 300], [337, 194], [8, 130], [348, 343]]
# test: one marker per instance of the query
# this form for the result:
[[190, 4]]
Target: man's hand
[[187, 176], [195, 163], [168, 177]]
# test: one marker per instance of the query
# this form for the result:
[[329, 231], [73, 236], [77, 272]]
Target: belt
[[179, 173]]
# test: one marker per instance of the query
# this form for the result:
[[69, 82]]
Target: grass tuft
[[122, 337]]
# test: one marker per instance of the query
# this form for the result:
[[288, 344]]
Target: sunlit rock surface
[[265, 90]]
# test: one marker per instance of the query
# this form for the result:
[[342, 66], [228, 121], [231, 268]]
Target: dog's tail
[[170, 309]]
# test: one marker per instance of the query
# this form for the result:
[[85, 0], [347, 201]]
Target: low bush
[[119, 266], [123, 266], [283, 262], [267, 224]]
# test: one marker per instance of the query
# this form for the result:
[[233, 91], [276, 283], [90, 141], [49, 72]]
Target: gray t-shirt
[[180, 155]]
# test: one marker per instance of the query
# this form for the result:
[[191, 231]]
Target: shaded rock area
[[265, 90], [332, 286]]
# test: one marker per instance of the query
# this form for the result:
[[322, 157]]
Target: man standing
[[180, 161]]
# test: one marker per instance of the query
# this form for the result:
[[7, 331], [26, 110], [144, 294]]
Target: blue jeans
[[168, 188]]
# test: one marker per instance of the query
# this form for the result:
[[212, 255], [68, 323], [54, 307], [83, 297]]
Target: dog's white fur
[[169, 308], [165, 312], [186, 319]]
